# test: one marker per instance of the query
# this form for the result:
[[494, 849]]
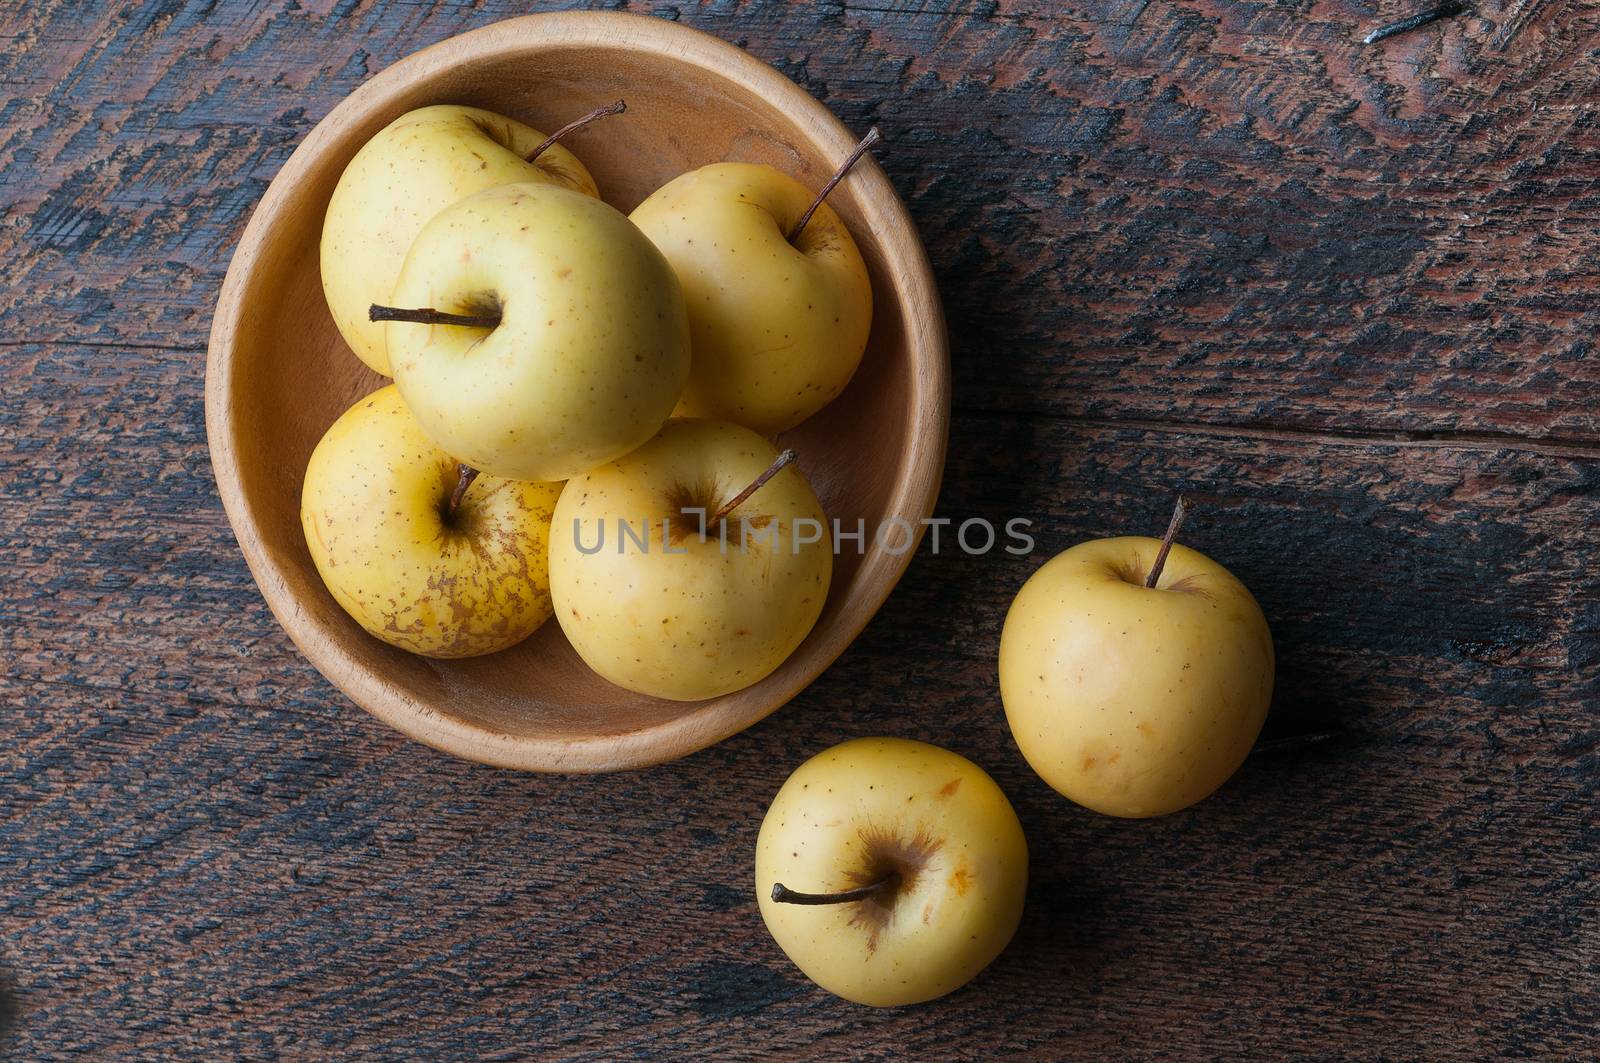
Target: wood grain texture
[[1342, 296]]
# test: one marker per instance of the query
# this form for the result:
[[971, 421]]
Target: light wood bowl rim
[[913, 493]]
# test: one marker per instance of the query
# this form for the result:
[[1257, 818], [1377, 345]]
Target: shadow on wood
[[10, 1009]]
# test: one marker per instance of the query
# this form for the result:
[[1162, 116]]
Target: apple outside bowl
[[278, 374]]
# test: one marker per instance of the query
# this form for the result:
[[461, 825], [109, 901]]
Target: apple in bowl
[[692, 567]]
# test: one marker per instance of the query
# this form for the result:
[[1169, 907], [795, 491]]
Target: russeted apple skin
[[374, 513], [1135, 701], [704, 622], [410, 170], [592, 349], [778, 328], [941, 821]]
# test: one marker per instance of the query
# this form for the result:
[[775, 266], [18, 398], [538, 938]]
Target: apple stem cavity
[[465, 474], [872, 137], [429, 316], [738, 500], [1179, 511], [577, 124], [784, 895]]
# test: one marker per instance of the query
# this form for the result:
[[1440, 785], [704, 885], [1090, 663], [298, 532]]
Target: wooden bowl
[[278, 375]]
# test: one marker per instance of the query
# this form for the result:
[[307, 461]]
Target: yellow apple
[[410, 170], [778, 326], [580, 345], [421, 554], [1135, 700], [891, 872], [660, 608]]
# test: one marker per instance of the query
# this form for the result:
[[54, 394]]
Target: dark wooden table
[[1343, 295]]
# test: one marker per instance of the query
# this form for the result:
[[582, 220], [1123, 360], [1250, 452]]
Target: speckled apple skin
[[372, 509], [703, 622], [873, 802], [1134, 701], [413, 168], [592, 349], [778, 328]]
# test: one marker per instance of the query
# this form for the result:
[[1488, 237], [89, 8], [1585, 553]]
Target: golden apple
[[891, 871], [577, 345], [421, 554], [671, 578], [778, 325], [1135, 700], [410, 170]]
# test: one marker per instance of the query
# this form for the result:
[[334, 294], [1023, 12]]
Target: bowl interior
[[289, 375]]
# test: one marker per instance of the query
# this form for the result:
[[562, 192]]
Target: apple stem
[[429, 316], [872, 137], [1179, 511], [465, 474], [577, 124], [784, 895], [738, 500]]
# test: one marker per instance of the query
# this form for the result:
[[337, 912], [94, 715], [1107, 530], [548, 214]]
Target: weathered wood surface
[[1343, 295]]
